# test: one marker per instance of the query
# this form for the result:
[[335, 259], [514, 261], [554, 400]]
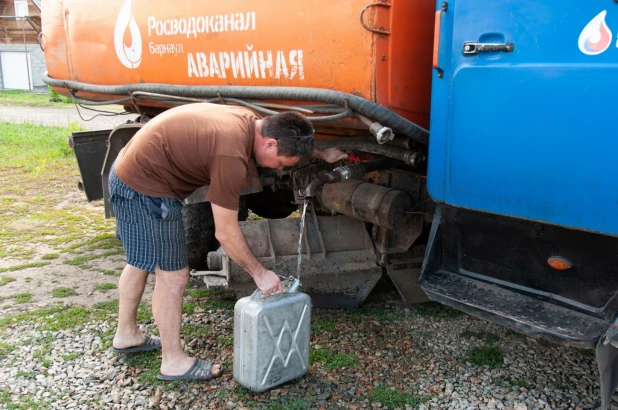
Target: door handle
[[472, 49]]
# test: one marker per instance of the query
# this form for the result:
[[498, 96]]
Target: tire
[[199, 226], [272, 205]]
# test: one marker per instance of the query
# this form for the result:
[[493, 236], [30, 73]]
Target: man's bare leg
[[130, 290], [167, 311]]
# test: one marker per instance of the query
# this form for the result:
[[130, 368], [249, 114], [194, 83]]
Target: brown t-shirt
[[188, 147]]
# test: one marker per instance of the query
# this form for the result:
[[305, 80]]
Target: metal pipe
[[413, 158], [345, 173], [383, 134]]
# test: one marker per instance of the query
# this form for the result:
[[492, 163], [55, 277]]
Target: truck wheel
[[199, 226], [272, 205]]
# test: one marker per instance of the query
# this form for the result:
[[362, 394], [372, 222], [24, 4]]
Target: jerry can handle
[[289, 286]]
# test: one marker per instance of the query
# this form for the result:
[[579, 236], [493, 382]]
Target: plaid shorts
[[150, 229]]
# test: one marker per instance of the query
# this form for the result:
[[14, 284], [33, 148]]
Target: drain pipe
[[344, 173]]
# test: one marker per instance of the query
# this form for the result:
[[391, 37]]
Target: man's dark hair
[[293, 132]]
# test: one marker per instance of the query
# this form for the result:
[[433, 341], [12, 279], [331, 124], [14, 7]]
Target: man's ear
[[271, 143]]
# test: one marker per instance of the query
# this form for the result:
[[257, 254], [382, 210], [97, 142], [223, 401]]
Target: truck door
[[524, 103]]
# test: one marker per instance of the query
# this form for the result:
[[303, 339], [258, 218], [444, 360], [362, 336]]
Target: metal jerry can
[[271, 338]]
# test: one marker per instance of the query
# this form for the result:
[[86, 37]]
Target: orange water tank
[[380, 51]]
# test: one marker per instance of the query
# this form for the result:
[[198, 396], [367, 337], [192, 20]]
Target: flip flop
[[150, 343], [201, 370]]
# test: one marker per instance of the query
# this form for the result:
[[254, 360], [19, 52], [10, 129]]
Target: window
[[21, 8]]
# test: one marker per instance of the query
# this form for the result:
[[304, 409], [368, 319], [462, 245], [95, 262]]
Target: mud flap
[[607, 360]]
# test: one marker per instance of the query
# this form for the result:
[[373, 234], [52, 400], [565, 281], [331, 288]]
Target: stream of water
[[300, 238]]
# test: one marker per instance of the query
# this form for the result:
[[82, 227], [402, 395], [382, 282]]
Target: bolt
[[383, 57]]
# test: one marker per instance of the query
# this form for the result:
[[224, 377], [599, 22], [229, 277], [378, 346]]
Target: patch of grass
[[192, 331], [222, 304], [6, 279], [26, 98], [71, 356], [188, 308], [198, 293], [24, 266], [24, 297], [6, 348], [292, 404], [110, 272], [522, 383], [490, 356], [33, 147], [50, 256], [25, 402], [436, 310], [81, 260], [44, 346], [324, 324], [226, 341], [587, 352], [63, 292], [394, 399], [488, 337], [104, 287], [54, 319], [109, 306], [331, 361]]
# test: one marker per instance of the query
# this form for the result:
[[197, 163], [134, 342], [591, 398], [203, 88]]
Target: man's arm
[[329, 155], [232, 239]]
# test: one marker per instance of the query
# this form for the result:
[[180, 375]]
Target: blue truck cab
[[522, 166]]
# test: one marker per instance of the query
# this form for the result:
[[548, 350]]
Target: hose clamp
[[344, 172]]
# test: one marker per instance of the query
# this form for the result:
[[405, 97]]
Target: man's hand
[[232, 239], [329, 155], [268, 282]]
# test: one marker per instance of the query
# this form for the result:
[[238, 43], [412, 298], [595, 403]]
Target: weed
[[104, 287], [587, 352], [292, 404], [110, 272], [24, 297], [6, 348], [324, 324], [488, 337], [490, 356], [331, 361], [24, 266], [188, 308], [436, 310], [394, 399], [192, 331], [198, 293], [81, 260], [226, 341], [55, 318], [6, 279], [50, 256], [222, 304], [63, 292], [71, 356], [109, 306], [522, 383]]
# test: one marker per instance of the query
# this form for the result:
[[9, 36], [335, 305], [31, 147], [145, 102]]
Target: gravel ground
[[419, 357]]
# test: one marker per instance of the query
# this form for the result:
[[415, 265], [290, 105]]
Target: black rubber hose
[[358, 104]]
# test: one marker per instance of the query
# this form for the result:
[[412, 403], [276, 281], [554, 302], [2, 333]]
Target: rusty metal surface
[[338, 261], [371, 203], [252, 185]]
